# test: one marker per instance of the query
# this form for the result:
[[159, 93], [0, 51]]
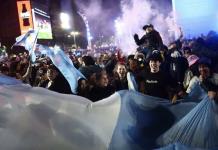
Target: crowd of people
[[158, 70]]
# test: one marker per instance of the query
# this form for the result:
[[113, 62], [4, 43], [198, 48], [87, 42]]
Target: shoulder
[[215, 78]]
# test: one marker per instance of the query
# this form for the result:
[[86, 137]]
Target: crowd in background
[[167, 72]]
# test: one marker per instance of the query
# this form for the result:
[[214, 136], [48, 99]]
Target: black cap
[[187, 49], [155, 57], [147, 26]]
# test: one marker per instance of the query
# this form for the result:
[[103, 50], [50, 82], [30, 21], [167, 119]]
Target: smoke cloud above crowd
[[127, 18], [100, 17]]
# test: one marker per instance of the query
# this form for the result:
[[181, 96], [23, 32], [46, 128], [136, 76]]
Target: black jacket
[[99, 93], [59, 85], [151, 40]]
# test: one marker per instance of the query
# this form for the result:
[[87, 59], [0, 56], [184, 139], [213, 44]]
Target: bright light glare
[[74, 33], [65, 20], [118, 27]]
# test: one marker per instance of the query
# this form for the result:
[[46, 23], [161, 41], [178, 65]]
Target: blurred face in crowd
[[105, 58], [13, 57], [83, 84], [154, 66], [52, 74], [148, 30], [172, 46], [204, 71], [133, 65], [80, 60], [186, 54], [121, 70], [92, 79], [103, 82]]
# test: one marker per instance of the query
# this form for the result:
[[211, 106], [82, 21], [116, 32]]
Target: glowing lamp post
[[74, 34]]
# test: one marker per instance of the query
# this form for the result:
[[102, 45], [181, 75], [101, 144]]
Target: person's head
[[204, 67], [154, 62], [52, 72], [88, 61], [80, 60], [102, 79], [187, 51], [121, 70], [133, 64], [82, 84], [163, 49], [148, 28], [13, 57], [204, 70]]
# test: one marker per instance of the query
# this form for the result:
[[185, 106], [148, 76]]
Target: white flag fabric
[[36, 118]]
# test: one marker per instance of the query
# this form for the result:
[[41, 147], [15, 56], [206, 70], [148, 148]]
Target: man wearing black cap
[[151, 40], [156, 82], [208, 79]]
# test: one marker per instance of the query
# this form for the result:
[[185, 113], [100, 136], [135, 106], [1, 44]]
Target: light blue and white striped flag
[[37, 118], [28, 40], [64, 64]]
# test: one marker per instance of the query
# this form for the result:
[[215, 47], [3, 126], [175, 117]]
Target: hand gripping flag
[[28, 41], [64, 64], [197, 129]]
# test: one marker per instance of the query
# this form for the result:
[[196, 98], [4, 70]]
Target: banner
[[25, 16]]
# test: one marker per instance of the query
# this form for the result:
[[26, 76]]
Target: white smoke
[[134, 15], [99, 17], [137, 13]]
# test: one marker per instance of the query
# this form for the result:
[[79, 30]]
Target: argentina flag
[[36, 118], [64, 64], [28, 41]]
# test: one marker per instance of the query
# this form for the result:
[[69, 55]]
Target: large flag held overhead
[[64, 64], [36, 118], [28, 40]]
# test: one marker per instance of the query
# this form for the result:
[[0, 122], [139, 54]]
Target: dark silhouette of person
[[150, 41]]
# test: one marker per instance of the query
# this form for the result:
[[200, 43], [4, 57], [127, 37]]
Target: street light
[[74, 34]]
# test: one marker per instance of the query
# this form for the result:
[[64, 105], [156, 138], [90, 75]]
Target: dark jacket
[[120, 84], [99, 93], [159, 84], [177, 68], [151, 40], [59, 85]]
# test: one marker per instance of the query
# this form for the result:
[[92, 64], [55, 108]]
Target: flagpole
[[34, 45]]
